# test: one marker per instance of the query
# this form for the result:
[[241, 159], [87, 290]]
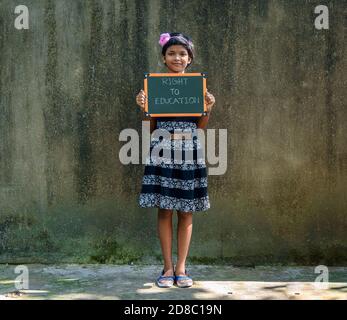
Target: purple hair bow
[[164, 37]]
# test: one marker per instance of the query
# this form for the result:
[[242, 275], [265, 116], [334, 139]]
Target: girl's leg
[[184, 233], [165, 236]]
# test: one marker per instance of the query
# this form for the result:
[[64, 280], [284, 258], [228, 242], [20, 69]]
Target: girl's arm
[[153, 122], [203, 121], [140, 100]]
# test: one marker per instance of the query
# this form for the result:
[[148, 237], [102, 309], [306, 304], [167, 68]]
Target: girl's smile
[[177, 58]]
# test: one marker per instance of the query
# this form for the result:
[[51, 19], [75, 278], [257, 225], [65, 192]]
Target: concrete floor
[[137, 283]]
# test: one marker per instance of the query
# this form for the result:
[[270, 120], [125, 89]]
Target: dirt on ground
[[137, 282]]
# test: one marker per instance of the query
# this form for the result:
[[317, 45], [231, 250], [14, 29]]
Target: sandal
[[169, 281], [184, 281]]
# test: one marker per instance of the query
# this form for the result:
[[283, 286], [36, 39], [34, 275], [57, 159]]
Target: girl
[[176, 186]]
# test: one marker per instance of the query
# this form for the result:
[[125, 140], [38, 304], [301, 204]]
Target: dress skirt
[[175, 175]]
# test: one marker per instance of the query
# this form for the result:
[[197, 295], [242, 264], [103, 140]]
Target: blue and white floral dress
[[178, 183]]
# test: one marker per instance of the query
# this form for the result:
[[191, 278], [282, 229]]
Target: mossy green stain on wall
[[331, 109], [6, 119], [91, 98]]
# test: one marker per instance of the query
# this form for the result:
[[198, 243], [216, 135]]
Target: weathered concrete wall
[[67, 88]]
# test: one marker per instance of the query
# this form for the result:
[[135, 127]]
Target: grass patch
[[108, 250]]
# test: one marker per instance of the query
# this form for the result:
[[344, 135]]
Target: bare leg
[[165, 236], [184, 233]]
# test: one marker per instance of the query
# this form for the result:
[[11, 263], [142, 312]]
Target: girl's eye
[[182, 53]]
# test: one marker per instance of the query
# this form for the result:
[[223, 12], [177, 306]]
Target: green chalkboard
[[170, 94]]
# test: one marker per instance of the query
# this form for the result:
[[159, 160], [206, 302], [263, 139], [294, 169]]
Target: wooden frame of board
[[147, 75]]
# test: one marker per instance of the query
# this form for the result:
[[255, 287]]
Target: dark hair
[[180, 39]]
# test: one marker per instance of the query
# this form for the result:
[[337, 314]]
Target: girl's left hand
[[210, 101]]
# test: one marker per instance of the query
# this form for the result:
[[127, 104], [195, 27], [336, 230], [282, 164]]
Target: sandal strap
[[166, 278], [183, 278], [161, 277]]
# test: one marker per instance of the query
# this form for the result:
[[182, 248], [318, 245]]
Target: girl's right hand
[[141, 99]]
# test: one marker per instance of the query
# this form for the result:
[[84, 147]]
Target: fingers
[[208, 94], [141, 95], [209, 98], [141, 99]]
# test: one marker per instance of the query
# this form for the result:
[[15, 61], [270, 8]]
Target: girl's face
[[177, 58]]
